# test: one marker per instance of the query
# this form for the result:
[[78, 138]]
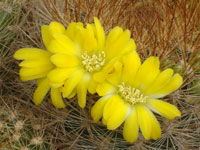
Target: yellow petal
[[144, 119], [130, 47], [99, 76], [131, 127], [34, 71], [173, 84], [38, 81], [112, 72], [159, 82], [56, 98], [92, 86], [108, 68], [41, 91], [114, 34], [97, 109], [62, 45], [165, 109], [57, 48], [131, 65], [62, 60], [100, 34], [116, 47], [156, 131], [147, 73], [104, 121], [56, 27], [72, 82], [35, 63], [46, 35], [112, 103], [105, 88], [59, 75], [31, 53], [73, 31], [27, 78], [115, 77], [49, 31], [82, 90], [90, 42], [73, 93], [118, 116]]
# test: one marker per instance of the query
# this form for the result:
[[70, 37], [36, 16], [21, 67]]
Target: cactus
[[18, 130], [169, 30], [9, 17], [160, 29]]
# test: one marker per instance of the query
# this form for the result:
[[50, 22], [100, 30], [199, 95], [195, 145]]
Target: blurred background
[[169, 29]]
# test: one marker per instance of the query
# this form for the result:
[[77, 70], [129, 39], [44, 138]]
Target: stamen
[[131, 95], [94, 62]]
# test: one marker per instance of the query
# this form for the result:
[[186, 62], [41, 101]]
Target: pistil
[[130, 94], [94, 62]]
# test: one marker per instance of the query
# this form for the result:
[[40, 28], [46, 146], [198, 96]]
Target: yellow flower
[[36, 64], [84, 56], [131, 93]]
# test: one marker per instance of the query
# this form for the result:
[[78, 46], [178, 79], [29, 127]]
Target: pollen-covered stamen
[[131, 95], [94, 62]]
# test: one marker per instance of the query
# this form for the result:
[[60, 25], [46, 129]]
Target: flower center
[[131, 95], [94, 62]]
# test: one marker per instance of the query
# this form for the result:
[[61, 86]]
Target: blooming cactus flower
[[84, 55], [130, 94], [36, 64]]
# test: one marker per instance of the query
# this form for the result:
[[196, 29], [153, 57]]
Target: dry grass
[[167, 29]]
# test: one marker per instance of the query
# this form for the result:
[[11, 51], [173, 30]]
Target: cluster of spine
[[10, 13], [17, 132]]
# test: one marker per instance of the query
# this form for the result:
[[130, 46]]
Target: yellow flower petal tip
[[165, 109], [31, 53], [56, 27], [97, 109], [131, 127], [57, 98], [133, 90], [41, 91]]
